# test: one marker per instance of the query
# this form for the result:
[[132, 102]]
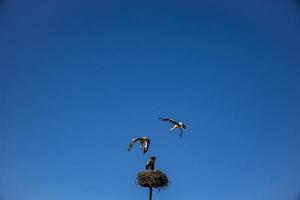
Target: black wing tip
[[165, 119], [130, 145]]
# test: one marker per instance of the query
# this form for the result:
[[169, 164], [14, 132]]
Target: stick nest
[[152, 179]]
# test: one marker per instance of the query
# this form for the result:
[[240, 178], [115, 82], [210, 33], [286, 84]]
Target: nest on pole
[[152, 179]]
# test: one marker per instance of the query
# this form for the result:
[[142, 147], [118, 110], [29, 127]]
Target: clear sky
[[79, 79]]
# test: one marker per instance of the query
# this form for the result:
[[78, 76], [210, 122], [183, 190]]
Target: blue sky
[[79, 79]]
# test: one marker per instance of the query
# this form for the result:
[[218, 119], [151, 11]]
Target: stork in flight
[[176, 124], [150, 163], [144, 143]]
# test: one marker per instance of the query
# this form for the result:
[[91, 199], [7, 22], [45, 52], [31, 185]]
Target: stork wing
[[184, 126], [146, 145], [130, 145], [169, 120], [148, 164]]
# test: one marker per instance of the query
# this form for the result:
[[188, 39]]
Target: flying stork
[[144, 143], [176, 124]]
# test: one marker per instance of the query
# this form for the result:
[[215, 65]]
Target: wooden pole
[[150, 193]]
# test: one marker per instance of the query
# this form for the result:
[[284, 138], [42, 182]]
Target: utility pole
[[150, 193]]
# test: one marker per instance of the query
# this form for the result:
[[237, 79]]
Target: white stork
[[150, 163], [176, 124], [144, 143]]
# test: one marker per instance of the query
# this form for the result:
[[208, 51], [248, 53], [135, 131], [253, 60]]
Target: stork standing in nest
[[176, 124], [150, 163]]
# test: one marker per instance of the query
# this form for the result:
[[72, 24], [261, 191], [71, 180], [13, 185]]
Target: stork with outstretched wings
[[176, 124], [150, 163], [144, 143]]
